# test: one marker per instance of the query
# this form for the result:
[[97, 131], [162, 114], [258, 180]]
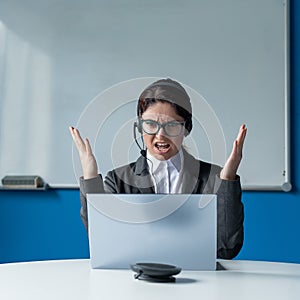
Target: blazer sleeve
[[91, 186], [230, 220], [230, 209]]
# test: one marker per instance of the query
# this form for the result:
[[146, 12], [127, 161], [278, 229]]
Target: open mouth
[[162, 147]]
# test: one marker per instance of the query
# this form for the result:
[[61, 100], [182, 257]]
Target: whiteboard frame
[[286, 186]]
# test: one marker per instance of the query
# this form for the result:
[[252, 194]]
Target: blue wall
[[46, 225]]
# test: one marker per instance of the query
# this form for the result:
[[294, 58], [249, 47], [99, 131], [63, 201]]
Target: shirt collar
[[175, 160]]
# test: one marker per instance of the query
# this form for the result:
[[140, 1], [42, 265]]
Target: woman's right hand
[[87, 158]]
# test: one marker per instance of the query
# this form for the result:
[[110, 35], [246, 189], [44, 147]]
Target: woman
[[164, 119]]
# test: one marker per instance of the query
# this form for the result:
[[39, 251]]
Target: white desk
[[73, 279]]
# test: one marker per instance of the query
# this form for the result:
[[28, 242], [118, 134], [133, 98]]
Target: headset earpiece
[[138, 125]]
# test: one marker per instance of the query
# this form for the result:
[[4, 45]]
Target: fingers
[[232, 164], [74, 133], [239, 142], [71, 129], [88, 147], [242, 134], [81, 144]]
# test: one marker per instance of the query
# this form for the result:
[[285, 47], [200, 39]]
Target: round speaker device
[[155, 272]]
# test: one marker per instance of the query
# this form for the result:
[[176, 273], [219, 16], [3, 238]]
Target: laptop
[[176, 229]]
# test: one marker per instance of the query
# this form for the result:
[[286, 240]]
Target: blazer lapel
[[190, 176]]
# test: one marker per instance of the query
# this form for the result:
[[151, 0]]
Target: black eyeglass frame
[[162, 125]]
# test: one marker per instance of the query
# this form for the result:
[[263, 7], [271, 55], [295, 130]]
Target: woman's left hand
[[231, 166]]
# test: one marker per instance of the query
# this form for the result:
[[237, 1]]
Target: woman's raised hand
[[231, 166], [87, 158]]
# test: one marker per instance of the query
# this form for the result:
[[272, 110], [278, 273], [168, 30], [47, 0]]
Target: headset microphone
[[143, 151]]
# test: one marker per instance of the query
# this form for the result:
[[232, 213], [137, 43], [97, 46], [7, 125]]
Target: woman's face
[[161, 145]]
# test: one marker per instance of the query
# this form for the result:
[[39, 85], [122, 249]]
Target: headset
[[137, 126]]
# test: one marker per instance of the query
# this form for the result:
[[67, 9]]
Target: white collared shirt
[[166, 174]]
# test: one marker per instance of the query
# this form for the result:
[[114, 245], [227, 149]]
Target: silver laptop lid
[[175, 229]]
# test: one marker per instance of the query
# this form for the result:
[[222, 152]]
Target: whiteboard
[[84, 63]]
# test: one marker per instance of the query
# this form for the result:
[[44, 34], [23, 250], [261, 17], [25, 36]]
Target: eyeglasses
[[172, 128]]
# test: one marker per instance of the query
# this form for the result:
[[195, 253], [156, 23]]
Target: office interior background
[[46, 225]]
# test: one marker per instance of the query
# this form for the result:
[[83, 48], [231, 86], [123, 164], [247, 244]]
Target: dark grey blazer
[[198, 178]]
